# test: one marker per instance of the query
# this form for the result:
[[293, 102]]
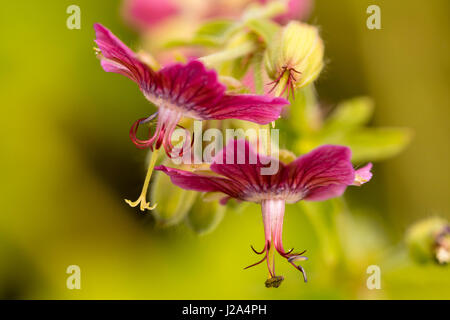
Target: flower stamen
[[255, 264], [142, 144], [144, 205], [258, 252], [273, 214]]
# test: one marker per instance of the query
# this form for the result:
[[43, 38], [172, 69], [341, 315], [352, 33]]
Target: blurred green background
[[68, 164]]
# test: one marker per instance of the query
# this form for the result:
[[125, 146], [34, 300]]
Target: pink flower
[[144, 14], [179, 91], [321, 174], [296, 10]]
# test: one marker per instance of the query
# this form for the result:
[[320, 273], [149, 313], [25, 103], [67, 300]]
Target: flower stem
[[228, 54], [142, 198], [257, 73]]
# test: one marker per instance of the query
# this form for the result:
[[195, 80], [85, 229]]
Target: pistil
[[273, 214]]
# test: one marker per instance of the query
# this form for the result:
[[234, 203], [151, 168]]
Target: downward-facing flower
[[178, 91], [322, 174]]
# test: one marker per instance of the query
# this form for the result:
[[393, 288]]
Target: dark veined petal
[[203, 183], [116, 57], [261, 109], [200, 95], [191, 87], [241, 176], [239, 162], [321, 174]]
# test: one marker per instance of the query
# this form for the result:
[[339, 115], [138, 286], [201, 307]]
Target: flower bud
[[173, 202], [205, 216], [429, 240], [295, 58]]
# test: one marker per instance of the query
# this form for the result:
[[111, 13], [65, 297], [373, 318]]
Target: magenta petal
[[296, 10], [200, 95], [239, 162], [322, 174], [192, 181], [239, 167], [118, 58], [144, 14], [261, 109], [363, 175], [191, 87]]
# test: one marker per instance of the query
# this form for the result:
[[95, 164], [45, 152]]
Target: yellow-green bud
[[295, 58], [429, 240], [205, 216]]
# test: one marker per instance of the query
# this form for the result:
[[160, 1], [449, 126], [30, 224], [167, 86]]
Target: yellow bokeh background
[[67, 163]]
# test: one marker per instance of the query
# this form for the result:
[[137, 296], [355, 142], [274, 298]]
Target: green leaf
[[216, 29], [173, 202], [266, 29], [369, 144], [205, 216], [373, 144], [349, 115], [344, 127]]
